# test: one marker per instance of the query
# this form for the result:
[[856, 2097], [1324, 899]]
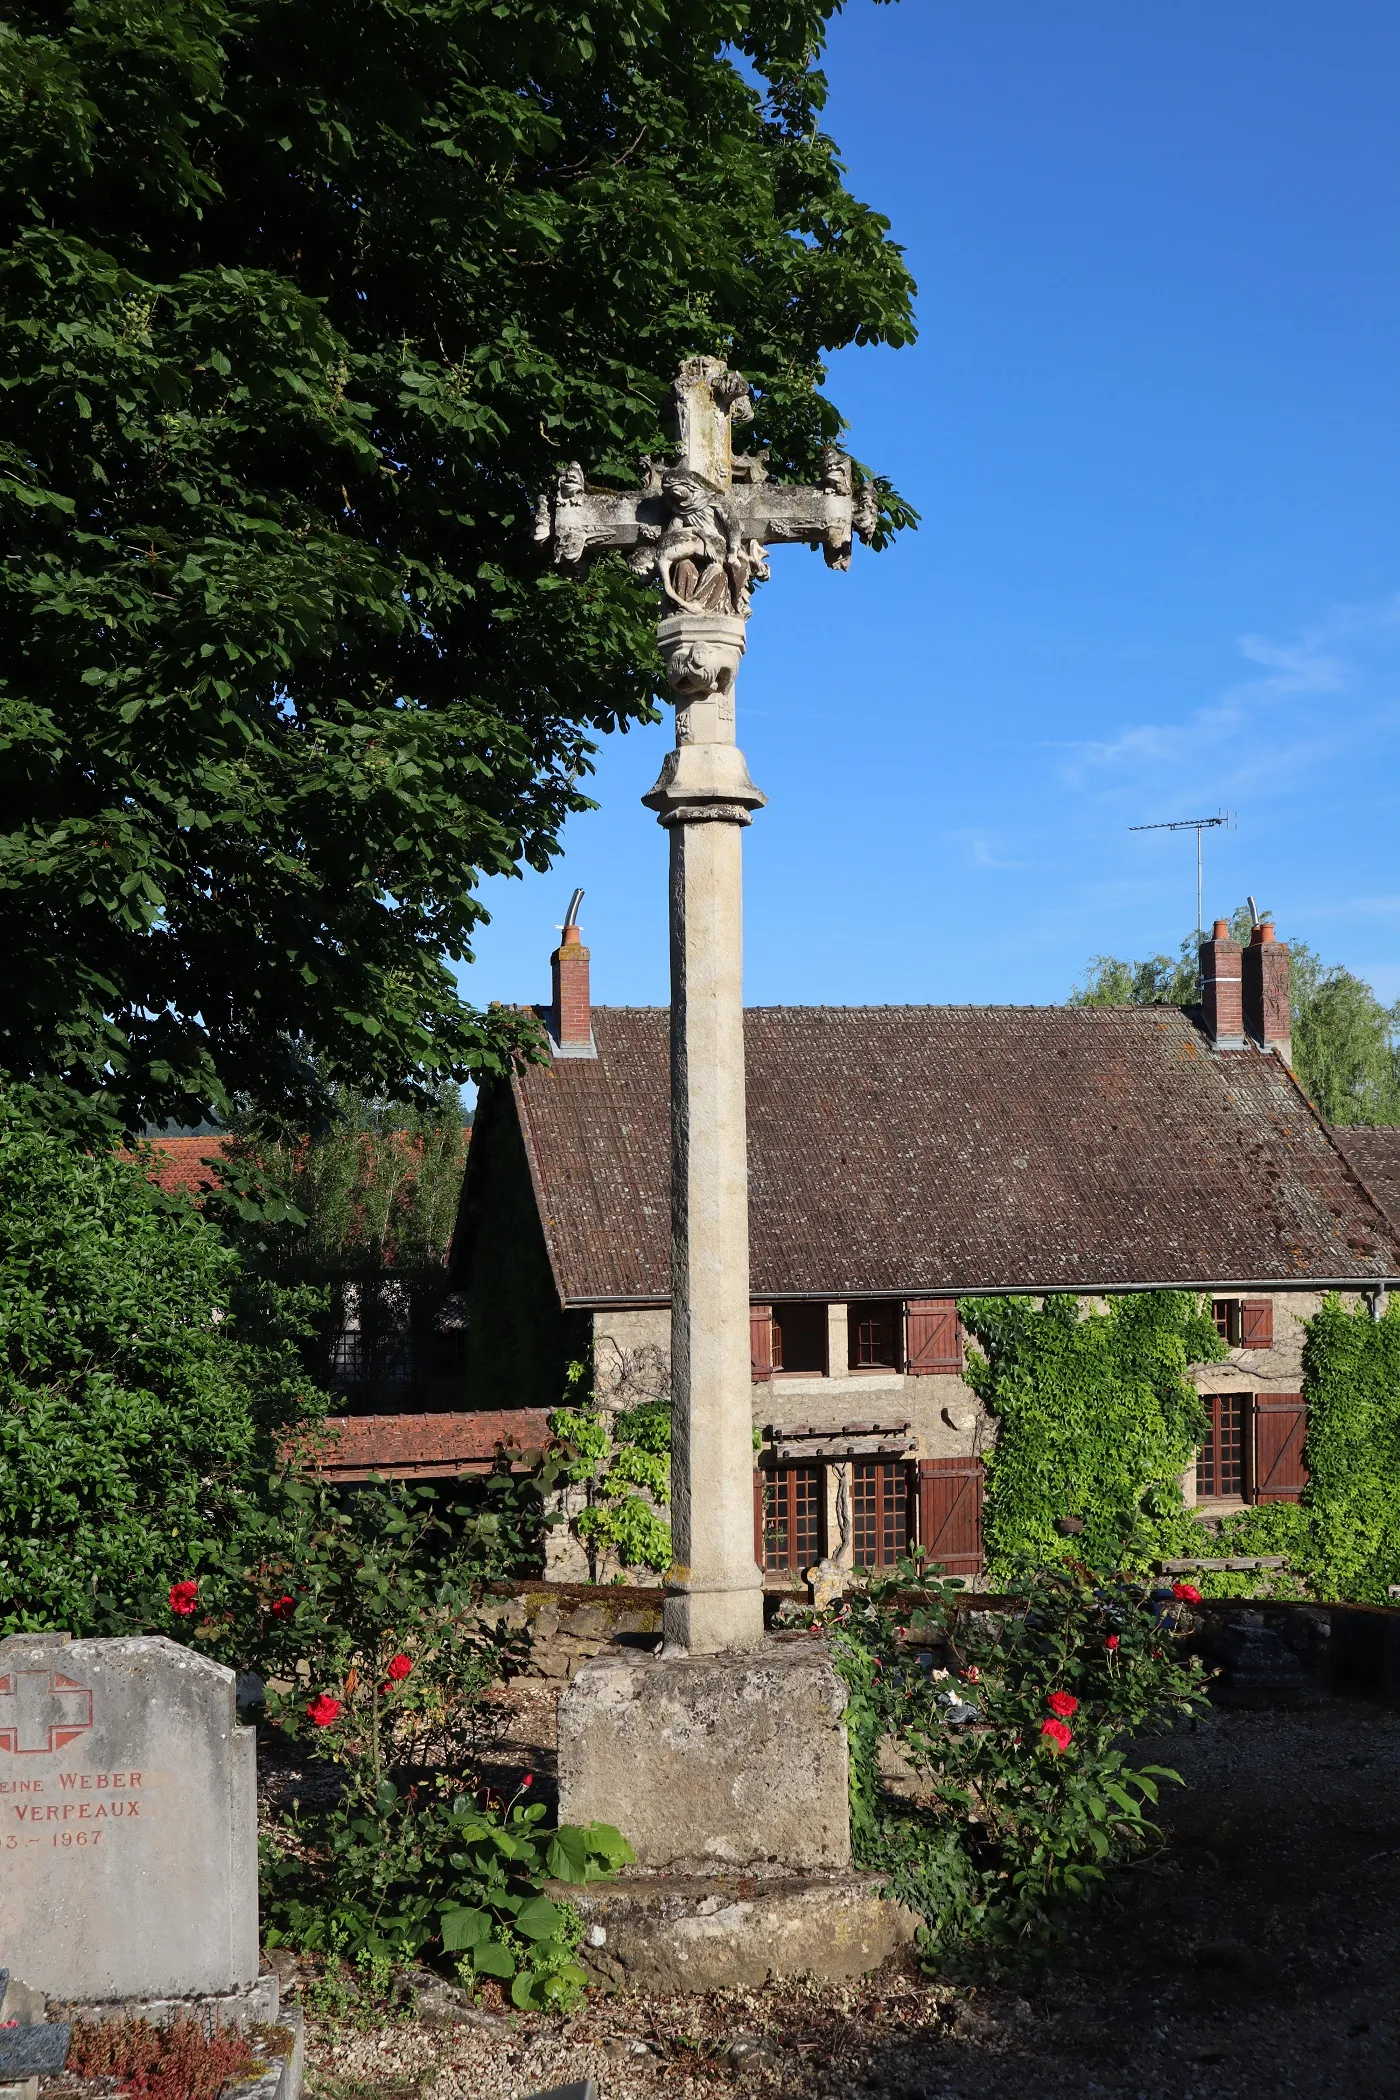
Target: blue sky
[[1153, 426]]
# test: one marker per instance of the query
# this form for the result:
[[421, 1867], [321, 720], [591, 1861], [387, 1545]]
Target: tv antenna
[[1225, 821]]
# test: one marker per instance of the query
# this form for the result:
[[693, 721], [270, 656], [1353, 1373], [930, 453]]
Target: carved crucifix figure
[[699, 527]]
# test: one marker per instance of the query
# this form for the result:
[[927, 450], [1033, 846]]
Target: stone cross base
[[711, 1762]]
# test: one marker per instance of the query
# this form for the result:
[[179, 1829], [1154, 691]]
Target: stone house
[[903, 1157]]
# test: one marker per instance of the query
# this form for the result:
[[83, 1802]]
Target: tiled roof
[[935, 1149], [1374, 1151], [181, 1164]]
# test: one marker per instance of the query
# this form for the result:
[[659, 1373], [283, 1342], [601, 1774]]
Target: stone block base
[[720, 1931], [707, 1762]]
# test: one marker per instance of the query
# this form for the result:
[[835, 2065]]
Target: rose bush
[[1007, 1816]]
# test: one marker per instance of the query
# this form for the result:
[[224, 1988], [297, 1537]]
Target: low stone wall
[[570, 1621]]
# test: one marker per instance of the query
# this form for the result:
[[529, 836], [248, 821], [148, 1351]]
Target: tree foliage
[[1096, 1420], [1345, 1048], [302, 302]]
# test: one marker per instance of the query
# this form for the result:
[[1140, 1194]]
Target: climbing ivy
[[1342, 1541], [624, 1462], [1097, 1421]]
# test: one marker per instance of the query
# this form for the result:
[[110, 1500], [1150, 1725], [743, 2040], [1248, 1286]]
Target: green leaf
[[464, 1928], [492, 1959]]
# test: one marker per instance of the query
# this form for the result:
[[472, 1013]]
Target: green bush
[[145, 1385], [1096, 1419], [368, 1615], [1010, 1723]]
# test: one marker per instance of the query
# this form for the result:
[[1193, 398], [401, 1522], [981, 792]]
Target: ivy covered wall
[[1096, 1420], [1342, 1541]]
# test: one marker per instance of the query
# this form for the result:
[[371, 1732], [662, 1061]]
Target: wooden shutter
[[1280, 1433], [761, 1341], [932, 1342], [758, 1517], [950, 1513], [1257, 1323]]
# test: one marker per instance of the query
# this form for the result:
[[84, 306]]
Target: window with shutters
[[794, 1506], [932, 1337], [1220, 1463], [1280, 1437], [950, 1514], [879, 1511], [876, 1336], [799, 1339], [760, 1341], [1226, 1314]]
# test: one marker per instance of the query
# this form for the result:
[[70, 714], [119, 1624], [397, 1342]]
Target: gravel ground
[[1257, 1955]]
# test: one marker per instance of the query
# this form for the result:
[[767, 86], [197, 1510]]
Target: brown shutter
[[761, 1341], [931, 1338], [1257, 1323], [950, 1513], [758, 1516], [1280, 1432]]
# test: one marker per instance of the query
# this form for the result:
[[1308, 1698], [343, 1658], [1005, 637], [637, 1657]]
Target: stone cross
[[41, 1710], [699, 527]]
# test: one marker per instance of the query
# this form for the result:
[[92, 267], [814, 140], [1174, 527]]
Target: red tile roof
[[181, 1165], [926, 1149]]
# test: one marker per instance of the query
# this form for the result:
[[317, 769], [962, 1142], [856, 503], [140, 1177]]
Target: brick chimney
[[1267, 1011], [571, 1011], [1221, 991]]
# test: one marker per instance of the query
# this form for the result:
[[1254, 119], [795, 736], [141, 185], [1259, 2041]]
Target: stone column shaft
[[715, 1598]]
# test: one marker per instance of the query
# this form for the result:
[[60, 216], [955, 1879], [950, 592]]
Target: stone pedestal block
[[714, 1761], [720, 1932]]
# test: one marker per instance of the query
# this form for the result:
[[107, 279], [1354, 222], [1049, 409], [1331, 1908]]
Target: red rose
[[1186, 1592], [1111, 1643], [282, 1607], [182, 1598], [1056, 1734], [399, 1667], [323, 1710], [973, 1674], [1063, 1703], [528, 1780]]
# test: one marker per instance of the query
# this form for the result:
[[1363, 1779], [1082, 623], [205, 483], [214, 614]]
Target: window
[[879, 1511], [799, 1339], [1220, 1462], [875, 1333], [1226, 1314], [793, 1509]]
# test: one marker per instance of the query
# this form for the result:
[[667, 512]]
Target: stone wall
[[569, 1621]]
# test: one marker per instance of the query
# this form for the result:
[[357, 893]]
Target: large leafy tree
[[301, 302], [1345, 1048]]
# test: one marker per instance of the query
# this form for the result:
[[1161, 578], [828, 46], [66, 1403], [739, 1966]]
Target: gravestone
[[128, 1821]]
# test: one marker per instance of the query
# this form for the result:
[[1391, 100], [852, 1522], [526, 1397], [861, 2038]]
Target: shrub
[[1011, 1725], [145, 1384], [366, 1613]]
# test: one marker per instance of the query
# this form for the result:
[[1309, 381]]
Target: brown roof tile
[[939, 1149], [1374, 1151]]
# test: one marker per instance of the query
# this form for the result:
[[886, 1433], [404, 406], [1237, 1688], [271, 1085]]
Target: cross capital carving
[[701, 521]]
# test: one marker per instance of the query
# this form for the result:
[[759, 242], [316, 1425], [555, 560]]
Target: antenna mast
[[1226, 820]]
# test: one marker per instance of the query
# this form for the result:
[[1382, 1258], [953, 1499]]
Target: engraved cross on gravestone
[[41, 1710], [699, 527]]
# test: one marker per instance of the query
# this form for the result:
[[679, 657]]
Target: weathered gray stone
[[723, 1931], [128, 1832], [711, 1761]]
